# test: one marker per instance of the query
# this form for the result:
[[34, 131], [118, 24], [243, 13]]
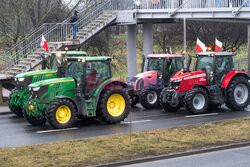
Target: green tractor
[[20, 93], [87, 90]]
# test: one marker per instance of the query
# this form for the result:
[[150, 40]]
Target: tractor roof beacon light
[[209, 48]]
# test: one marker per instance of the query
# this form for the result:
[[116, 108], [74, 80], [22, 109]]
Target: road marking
[[55, 130], [134, 122], [201, 115]]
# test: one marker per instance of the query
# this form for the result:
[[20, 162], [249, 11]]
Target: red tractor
[[146, 87], [213, 82]]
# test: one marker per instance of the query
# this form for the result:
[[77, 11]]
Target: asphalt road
[[238, 157], [16, 131]]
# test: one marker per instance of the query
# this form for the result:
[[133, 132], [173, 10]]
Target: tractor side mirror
[[189, 62], [220, 61]]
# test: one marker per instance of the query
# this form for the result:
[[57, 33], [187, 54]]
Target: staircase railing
[[53, 32]]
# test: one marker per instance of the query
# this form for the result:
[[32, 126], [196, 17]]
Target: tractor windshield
[[204, 62], [75, 70], [155, 64], [54, 61]]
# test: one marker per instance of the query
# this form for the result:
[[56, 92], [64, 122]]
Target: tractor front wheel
[[61, 113], [114, 106], [36, 121], [196, 100], [149, 97], [14, 109], [238, 94]]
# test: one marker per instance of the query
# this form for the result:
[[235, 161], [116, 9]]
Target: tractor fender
[[231, 75], [108, 85], [69, 98]]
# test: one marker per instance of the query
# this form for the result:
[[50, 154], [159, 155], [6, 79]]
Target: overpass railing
[[175, 4]]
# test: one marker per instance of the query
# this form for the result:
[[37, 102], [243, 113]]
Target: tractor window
[[223, 65], [96, 73], [75, 70], [53, 62], [179, 63], [204, 63], [155, 64]]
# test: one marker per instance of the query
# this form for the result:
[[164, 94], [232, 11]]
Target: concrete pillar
[[1, 93], [131, 52], [248, 27], [147, 40], [184, 35]]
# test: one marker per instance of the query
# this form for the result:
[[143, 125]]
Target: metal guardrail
[[56, 32]]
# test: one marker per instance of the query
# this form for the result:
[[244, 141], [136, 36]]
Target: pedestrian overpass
[[26, 54]]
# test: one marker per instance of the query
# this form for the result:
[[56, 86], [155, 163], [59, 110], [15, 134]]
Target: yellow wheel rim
[[63, 114], [116, 105]]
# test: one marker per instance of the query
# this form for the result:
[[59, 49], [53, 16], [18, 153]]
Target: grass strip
[[100, 150]]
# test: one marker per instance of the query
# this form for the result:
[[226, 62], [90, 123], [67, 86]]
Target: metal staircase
[[26, 54]]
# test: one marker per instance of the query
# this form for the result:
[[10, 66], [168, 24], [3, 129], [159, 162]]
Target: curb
[[176, 155]]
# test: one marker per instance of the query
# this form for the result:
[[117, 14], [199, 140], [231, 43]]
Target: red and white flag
[[170, 50], [44, 44], [200, 46], [218, 45]]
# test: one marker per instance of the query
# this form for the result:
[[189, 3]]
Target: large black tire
[[238, 92], [196, 100], [102, 108], [34, 120], [61, 113], [165, 105], [14, 109], [149, 97], [134, 100]]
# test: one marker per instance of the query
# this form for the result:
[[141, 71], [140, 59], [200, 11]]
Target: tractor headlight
[[20, 79], [36, 89]]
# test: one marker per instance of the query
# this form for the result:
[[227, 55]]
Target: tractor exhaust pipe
[[189, 62]]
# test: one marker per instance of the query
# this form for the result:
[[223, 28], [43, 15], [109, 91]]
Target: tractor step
[[90, 107]]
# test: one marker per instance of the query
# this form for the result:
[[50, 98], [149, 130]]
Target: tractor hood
[[146, 74], [189, 75], [32, 73], [52, 81]]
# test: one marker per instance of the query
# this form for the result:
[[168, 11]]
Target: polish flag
[[170, 50], [218, 45], [44, 44], [200, 46]]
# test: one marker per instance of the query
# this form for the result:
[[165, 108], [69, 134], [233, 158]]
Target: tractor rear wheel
[[114, 106], [61, 113], [14, 109], [165, 105], [149, 97], [34, 120], [196, 100], [238, 93]]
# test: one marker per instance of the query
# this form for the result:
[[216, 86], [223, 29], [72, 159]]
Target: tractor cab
[[88, 72], [216, 65], [165, 65], [145, 87]]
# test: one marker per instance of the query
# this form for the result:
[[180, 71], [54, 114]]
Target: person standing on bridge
[[73, 20]]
